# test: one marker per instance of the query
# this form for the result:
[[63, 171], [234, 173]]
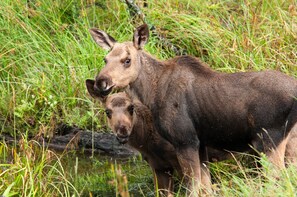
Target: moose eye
[[127, 62], [108, 113], [105, 60], [131, 109]]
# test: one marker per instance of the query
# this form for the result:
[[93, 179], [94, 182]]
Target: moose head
[[122, 63]]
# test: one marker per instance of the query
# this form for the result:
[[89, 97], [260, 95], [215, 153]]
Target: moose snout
[[122, 134], [104, 85]]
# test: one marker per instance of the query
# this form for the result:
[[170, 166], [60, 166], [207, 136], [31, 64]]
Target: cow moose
[[194, 107]]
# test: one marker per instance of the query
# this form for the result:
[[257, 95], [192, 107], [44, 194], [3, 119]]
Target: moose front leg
[[274, 148], [205, 174], [188, 158], [291, 149], [164, 181]]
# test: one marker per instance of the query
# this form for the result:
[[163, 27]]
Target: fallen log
[[68, 138]]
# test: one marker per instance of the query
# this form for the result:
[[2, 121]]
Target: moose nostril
[[122, 135], [102, 83], [122, 131]]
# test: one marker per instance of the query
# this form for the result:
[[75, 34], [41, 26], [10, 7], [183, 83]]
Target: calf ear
[[90, 87], [141, 36], [102, 39]]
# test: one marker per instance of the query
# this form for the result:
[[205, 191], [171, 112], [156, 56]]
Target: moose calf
[[132, 123]]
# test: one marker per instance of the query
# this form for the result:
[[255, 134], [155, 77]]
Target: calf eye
[[108, 113], [105, 60], [127, 62], [131, 109]]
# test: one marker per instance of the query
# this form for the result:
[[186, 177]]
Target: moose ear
[[141, 36], [93, 92], [102, 39]]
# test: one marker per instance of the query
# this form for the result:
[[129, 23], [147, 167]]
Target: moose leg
[[291, 149], [205, 174], [277, 155], [189, 161], [164, 181], [274, 146]]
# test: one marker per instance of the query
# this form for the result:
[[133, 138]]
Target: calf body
[[194, 107]]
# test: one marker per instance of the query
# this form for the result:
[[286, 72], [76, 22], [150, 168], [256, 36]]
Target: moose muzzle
[[103, 85], [122, 134]]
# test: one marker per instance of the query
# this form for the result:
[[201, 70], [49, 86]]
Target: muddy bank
[[72, 138]]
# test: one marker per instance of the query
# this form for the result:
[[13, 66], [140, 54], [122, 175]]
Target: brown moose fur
[[194, 106]]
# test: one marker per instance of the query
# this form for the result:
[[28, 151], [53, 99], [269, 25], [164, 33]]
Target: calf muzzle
[[123, 140], [122, 134]]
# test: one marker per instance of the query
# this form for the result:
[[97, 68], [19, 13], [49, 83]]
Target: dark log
[[71, 138]]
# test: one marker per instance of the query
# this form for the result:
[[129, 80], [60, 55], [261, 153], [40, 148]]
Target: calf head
[[122, 63], [119, 110]]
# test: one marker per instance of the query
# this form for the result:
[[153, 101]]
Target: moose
[[194, 107], [132, 123]]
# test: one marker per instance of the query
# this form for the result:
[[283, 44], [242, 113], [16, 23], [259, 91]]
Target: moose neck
[[138, 139], [144, 87], [143, 134]]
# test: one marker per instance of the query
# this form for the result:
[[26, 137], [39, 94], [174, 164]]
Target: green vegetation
[[30, 170], [46, 53]]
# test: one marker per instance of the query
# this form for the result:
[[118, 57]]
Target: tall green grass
[[241, 178], [233, 35], [30, 170], [46, 53]]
